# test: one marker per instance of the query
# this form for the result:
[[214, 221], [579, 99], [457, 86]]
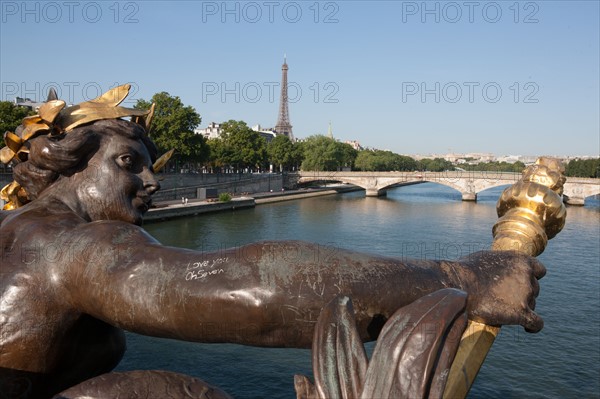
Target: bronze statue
[[77, 268], [411, 359], [143, 385]]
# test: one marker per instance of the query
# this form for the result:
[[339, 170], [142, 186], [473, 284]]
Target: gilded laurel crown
[[55, 118]]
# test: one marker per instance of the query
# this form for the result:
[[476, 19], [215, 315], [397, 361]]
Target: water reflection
[[429, 216]]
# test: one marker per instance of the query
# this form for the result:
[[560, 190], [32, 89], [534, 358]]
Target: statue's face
[[118, 181]]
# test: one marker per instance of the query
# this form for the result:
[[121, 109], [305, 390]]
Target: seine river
[[425, 220]]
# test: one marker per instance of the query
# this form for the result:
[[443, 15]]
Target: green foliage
[[583, 168], [173, 127], [349, 155], [325, 154], [518, 166], [239, 146], [218, 154], [495, 166], [383, 161], [224, 197], [282, 152], [435, 165], [11, 116], [199, 150]]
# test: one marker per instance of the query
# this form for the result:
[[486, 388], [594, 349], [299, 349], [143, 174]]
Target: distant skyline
[[508, 78]]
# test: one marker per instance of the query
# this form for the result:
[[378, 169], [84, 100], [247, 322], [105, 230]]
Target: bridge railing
[[490, 176]]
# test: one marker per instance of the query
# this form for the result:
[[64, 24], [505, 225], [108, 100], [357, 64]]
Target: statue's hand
[[502, 288]]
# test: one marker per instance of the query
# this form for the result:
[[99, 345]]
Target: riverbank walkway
[[164, 210]]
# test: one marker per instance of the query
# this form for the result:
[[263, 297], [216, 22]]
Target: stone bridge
[[577, 189], [468, 183]]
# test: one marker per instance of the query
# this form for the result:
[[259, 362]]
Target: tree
[[495, 166], [435, 165], [583, 168], [173, 127], [218, 154], [325, 154], [405, 163], [200, 151], [243, 147], [364, 160], [382, 161], [282, 152], [11, 116], [349, 154], [518, 167]]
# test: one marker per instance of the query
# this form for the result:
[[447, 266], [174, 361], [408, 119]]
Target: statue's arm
[[268, 293], [271, 293]]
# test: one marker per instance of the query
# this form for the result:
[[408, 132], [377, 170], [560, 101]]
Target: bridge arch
[[576, 190], [469, 184], [377, 183]]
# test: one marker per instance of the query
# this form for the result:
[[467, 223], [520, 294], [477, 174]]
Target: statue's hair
[[51, 157]]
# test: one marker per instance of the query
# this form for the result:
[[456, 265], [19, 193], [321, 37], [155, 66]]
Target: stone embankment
[[164, 210], [175, 186], [174, 209]]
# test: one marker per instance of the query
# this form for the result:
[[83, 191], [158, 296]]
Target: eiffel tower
[[283, 125]]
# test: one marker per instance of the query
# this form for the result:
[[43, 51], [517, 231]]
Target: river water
[[419, 221]]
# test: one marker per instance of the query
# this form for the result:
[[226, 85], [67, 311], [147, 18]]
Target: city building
[[269, 133], [355, 144], [213, 131], [28, 103]]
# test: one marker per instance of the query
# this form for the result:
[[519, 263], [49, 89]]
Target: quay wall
[[191, 209], [175, 186]]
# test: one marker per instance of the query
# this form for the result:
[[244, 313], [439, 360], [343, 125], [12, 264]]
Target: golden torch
[[530, 212]]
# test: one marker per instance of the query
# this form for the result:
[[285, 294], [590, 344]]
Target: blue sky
[[504, 77]]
